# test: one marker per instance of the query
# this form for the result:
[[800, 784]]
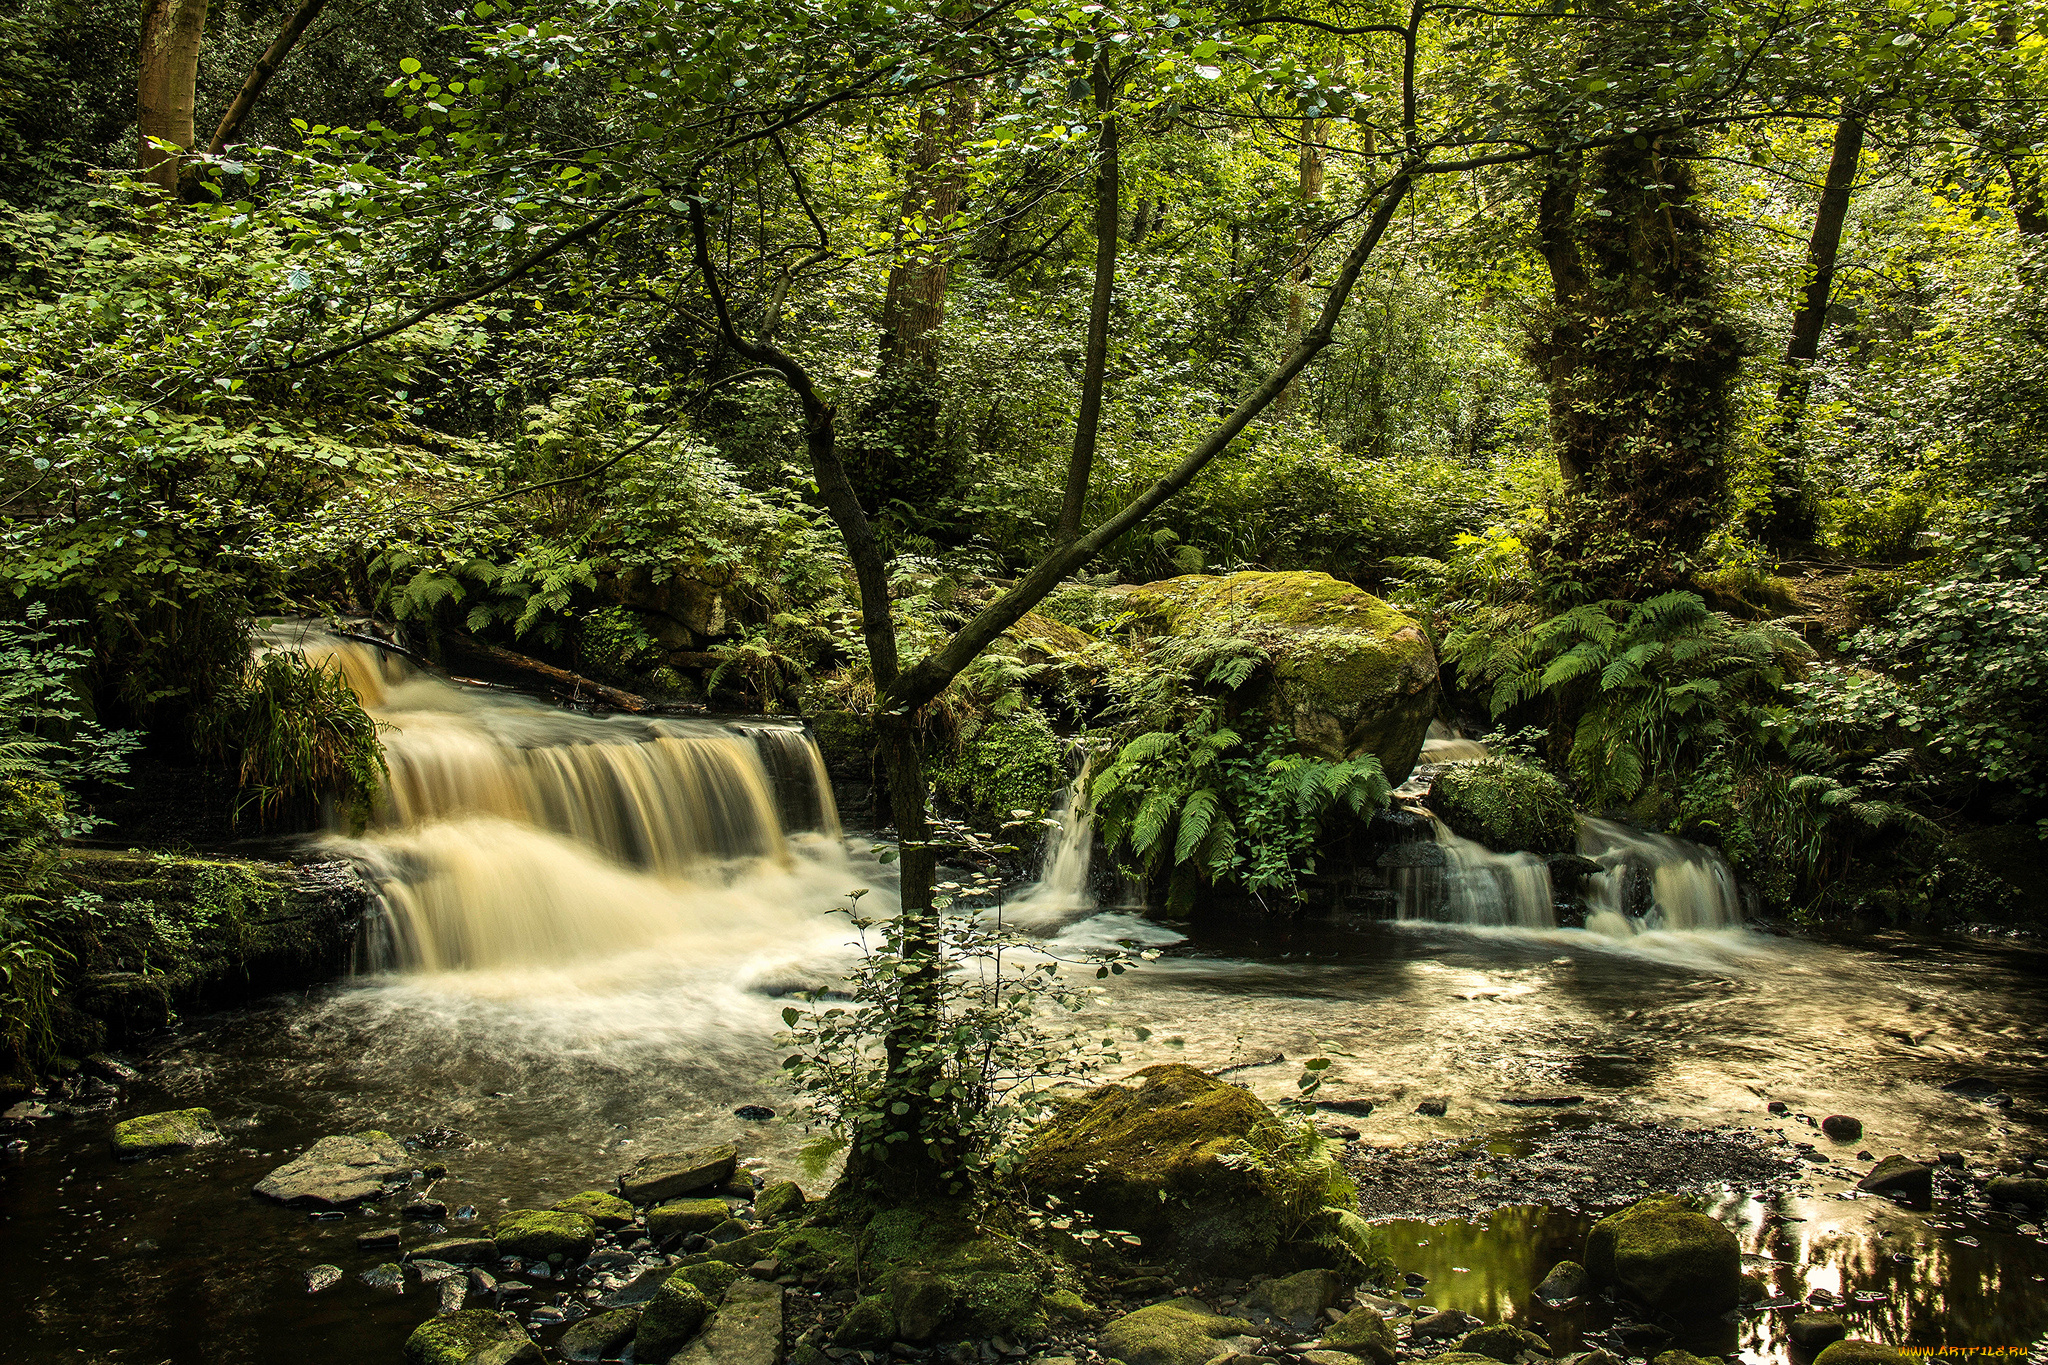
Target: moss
[[1046, 635], [1856, 1351], [156, 1134], [1503, 1342], [456, 1338], [543, 1234], [1012, 763], [1362, 1332], [685, 1216], [709, 1278], [600, 1335], [605, 1210], [845, 741], [920, 1302], [1668, 1257], [1068, 1309], [1298, 1299], [1000, 1305], [1507, 804], [1177, 1332], [868, 1323], [742, 1251], [779, 1200], [674, 1315], [1676, 1357]]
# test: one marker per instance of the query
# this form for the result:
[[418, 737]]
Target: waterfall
[[1653, 881], [1447, 744], [510, 833], [1061, 891], [1473, 885]]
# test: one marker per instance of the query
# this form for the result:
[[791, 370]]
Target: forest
[[958, 577]]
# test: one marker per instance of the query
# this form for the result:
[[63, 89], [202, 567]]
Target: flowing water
[[591, 925]]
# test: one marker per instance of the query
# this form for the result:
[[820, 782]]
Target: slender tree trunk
[[260, 74], [1108, 224], [167, 71], [915, 302], [1315, 133]]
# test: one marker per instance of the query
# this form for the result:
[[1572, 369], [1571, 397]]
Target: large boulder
[[668, 1174], [685, 1216], [1506, 805], [474, 1336], [1503, 1342], [1177, 1332], [338, 1170], [1297, 1300], [1198, 1169], [1667, 1257], [1350, 676], [746, 1331]]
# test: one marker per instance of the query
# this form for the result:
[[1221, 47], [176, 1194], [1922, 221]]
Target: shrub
[[1506, 804], [297, 735]]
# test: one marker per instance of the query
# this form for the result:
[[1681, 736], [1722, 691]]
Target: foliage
[[1007, 769], [1506, 803], [298, 736]]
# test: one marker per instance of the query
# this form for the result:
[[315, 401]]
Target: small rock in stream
[[1434, 1107], [385, 1276], [454, 1293], [1778, 1107], [1842, 1128], [1443, 1325], [321, 1277], [378, 1240], [754, 1113], [338, 1170], [423, 1211]]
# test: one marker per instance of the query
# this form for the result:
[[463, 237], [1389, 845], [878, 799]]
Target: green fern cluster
[[533, 593], [297, 734]]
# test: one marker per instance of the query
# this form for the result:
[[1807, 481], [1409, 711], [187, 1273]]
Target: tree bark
[[167, 71], [914, 303], [1108, 224], [259, 75], [1315, 133]]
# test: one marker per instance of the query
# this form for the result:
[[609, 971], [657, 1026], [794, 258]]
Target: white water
[[1060, 895], [1691, 888], [1476, 886], [1447, 744]]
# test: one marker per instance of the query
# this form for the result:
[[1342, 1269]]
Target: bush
[[1506, 804], [298, 736]]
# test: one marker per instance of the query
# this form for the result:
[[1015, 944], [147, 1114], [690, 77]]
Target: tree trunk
[[167, 71], [1315, 133], [1108, 224], [260, 74]]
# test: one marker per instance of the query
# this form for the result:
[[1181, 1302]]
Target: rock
[[1363, 1333], [475, 1336], [686, 1216], [1593, 1357], [1507, 804], [338, 1170], [1641, 1338], [868, 1323], [1434, 1107], [608, 1211], [1340, 1131], [1842, 1128], [1679, 1358], [747, 1330], [321, 1277], [599, 1335], [454, 1293], [754, 1113], [424, 1211], [1298, 1300], [920, 1302], [1177, 1332], [386, 1276], [1811, 1332], [378, 1239], [545, 1235], [670, 1319], [1856, 1351], [2010, 1189], [1566, 1280], [177, 1130], [780, 1200], [669, 1174], [1668, 1258], [1442, 1325], [1350, 675], [730, 1230], [1164, 1159], [457, 1251], [1503, 1343], [1900, 1177], [1778, 1107], [1954, 1159], [709, 1278]]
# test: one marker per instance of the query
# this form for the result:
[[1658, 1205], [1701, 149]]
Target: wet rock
[[1667, 1257], [673, 1316], [475, 1336], [669, 1174], [483, 1281], [1443, 1325], [608, 1211], [2026, 1190], [321, 1277], [1856, 1351], [338, 1170], [378, 1239], [457, 1251], [1593, 1357], [1811, 1332], [1363, 1333], [28, 1111], [1954, 1159], [1507, 805], [545, 1235], [1503, 1343], [1842, 1128], [1566, 1280], [600, 1335], [1641, 1338], [1177, 1332], [454, 1293], [1680, 1358], [639, 1289], [1298, 1300], [385, 1276], [746, 1331], [109, 1067], [1900, 1177], [686, 1216], [1339, 1131], [424, 1211], [1778, 1107], [754, 1113], [433, 1272], [868, 1323], [780, 1200], [176, 1130], [1435, 1107]]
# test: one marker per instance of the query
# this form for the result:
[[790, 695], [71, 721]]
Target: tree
[[167, 72]]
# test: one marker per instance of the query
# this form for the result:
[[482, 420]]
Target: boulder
[[669, 1320], [868, 1323], [1363, 1333], [457, 1251], [1667, 1257], [1812, 1332], [545, 1235], [608, 1211], [709, 1278], [1856, 1351], [1298, 1300], [338, 1170], [1197, 1168], [475, 1336], [1901, 1177], [1842, 1128], [746, 1331], [177, 1130], [1177, 1332], [1442, 1325], [1566, 1280], [1503, 1343], [599, 1335], [669, 1174], [2012, 1189], [686, 1216], [1350, 675], [920, 1302], [1508, 805], [780, 1200]]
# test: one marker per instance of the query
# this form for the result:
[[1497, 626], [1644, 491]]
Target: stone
[[1362, 1333], [1856, 1351], [424, 1211], [746, 1331], [780, 1200], [1953, 1159], [2010, 1189], [321, 1277], [1842, 1128], [1350, 675], [608, 1211], [1778, 1107], [475, 1336], [1435, 1107], [337, 1171], [1812, 1332], [454, 1293], [666, 1175], [1506, 804], [1503, 1343], [1177, 1332], [754, 1113], [545, 1235], [1165, 1159], [1675, 1357], [709, 1278], [1593, 1357], [457, 1251], [920, 1302], [1442, 1325], [868, 1323], [1667, 1257], [686, 1216], [668, 1322], [599, 1335], [378, 1239], [1901, 1177], [386, 1276], [176, 1130], [1641, 1338], [1566, 1280], [1298, 1300]]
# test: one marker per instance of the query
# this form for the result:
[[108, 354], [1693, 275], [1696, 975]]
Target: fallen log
[[580, 687]]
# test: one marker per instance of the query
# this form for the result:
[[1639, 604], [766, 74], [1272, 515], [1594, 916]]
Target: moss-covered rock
[[1177, 1332], [673, 1316], [1566, 1280], [709, 1278], [2029, 1191], [667, 1175], [686, 1216], [1667, 1257], [474, 1336], [456, 1251], [545, 1235], [1363, 1333], [176, 1130], [868, 1323], [606, 1210], [1200, 1170], [1812, 1332], [1507, 805], [826, 1253], [1857, 1351], [921, 1304], [1067, 1309], [1298, 1299], [1010, 763], [1502, 1342], [779, 1200], [599, 1335], [1901, 1177], [1350, 675], [1675, 1357]]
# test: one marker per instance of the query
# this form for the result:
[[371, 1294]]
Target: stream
[[592, 925]]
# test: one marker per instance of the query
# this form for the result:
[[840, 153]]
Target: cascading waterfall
[[1061, 891], [1447, 744], [1653, 881], [1474, 885]]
